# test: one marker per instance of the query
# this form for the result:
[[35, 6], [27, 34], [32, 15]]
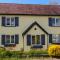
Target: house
[[29, 26]]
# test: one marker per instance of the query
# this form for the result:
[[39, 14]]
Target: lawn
[[40, 58]]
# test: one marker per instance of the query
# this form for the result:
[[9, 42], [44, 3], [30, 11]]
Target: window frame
[[10, 21], [35, 40], [56, 38], [9, 39], [55, 22], [13, 22]]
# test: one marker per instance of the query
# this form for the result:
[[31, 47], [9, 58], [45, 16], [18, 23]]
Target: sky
[[27, 1]]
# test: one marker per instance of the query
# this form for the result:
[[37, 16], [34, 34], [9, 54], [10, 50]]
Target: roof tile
[[10, 8]]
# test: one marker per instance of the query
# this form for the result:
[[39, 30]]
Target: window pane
[[38, 39], [7, 39], [12, 21], [58, 39], [8, 21], [57, 22], [33, 39], [53, 21], [12, 39], [53, 38]]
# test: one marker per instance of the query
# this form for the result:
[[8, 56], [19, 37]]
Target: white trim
[[13, 22], [10, 39], [35, 40], [56, 38], [6, 21], [5, 40], [10, 21], [55, 22]]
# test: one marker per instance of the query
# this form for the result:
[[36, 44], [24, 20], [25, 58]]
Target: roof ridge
[[30, 4]]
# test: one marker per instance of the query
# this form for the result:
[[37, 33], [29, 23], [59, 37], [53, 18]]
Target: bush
[[39, 52], [5, 53], [12, 53], [36, 52], [17, 53], [54, 50], [2, 51]]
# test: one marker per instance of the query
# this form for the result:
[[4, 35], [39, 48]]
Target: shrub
[[5, 53], [39, 51], [54, 50], [36, 52], [2, 51], [16, 53]]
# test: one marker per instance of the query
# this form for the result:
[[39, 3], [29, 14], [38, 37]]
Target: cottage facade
[[26, 27]]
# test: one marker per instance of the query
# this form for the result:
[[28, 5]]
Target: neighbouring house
[[29, 26]]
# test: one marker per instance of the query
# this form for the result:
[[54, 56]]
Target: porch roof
[[35, 23]]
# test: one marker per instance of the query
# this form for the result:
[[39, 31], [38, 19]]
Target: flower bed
[[31, 53]]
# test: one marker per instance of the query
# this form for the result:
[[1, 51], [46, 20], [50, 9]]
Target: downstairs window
[[10, 39]]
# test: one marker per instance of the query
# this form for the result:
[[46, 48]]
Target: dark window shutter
[[16, 21], [50, 38], [3, 21], [3, 39], [43, 39], [16, 39], [28, 40], [50, 21]]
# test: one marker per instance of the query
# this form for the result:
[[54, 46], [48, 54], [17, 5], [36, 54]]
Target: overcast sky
[[27, 1]]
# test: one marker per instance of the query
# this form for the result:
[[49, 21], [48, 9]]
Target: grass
[[33, 58]]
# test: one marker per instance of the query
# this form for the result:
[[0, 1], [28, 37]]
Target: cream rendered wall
[[34, 32], [24, 22]]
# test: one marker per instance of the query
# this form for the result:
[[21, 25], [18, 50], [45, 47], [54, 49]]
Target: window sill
[[9, 26], [10, 45], [54, 26], [37, 46], [56, 43]]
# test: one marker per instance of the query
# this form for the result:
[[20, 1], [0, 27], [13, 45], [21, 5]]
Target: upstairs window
[[10, 21], [54, 21]]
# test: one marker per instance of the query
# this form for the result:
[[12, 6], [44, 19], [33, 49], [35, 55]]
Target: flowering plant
[[54, 50]]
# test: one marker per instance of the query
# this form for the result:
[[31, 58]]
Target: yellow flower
[[54, 50]]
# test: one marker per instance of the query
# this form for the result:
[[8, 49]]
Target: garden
[[52, 53]]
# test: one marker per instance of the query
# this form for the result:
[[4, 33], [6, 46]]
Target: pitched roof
[[34, 23], [31, 9]]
